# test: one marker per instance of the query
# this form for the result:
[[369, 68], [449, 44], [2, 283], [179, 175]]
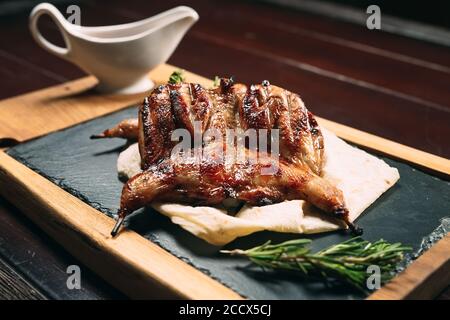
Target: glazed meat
[[210, 181], [127, 129], [229, 106]]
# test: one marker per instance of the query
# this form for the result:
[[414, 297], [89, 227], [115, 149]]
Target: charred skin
[[229, 106], [210, 181], [156, 124], [126, 129]]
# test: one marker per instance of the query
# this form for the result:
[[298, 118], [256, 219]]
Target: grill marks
[[201, 104], [230, 106], [254, 112], [190, 103], [180, 98], [156, 126], [210, 181], [304, 141], [270, 107]]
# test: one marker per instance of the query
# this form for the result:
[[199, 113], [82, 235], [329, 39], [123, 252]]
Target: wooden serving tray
[[130, 262]]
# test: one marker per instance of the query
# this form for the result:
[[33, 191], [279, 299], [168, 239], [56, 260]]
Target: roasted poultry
[[210, 181], [230, 106]]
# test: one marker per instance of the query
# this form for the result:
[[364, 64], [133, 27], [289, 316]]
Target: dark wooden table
[[386, 84]]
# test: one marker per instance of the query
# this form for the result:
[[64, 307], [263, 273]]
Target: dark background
[[434, 12]]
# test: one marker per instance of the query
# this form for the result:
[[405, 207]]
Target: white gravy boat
[[120, 56]]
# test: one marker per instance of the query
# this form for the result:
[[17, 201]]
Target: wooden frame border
[[149, 271]]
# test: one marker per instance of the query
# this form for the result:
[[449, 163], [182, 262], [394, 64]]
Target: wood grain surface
[[40, 263], [384, 84], [15, 287]]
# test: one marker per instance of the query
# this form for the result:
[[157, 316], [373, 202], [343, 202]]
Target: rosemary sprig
[[176, 77], [347, 261]]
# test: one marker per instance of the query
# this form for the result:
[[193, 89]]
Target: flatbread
[[361, 177]]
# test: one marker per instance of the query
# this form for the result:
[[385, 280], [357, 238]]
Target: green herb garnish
[[347, 261], [176, 77]]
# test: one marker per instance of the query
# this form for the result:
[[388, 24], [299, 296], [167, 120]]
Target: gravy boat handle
[[61, 23]]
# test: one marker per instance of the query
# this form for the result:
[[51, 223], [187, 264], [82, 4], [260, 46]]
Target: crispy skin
[[270, 107], [126, 129], [208, 181], [230, 106], [156, 124]]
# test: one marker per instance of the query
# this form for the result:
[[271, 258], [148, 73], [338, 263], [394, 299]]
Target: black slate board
[[409, 211]]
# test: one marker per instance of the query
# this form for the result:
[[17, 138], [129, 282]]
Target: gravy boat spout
[[119, 56]]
